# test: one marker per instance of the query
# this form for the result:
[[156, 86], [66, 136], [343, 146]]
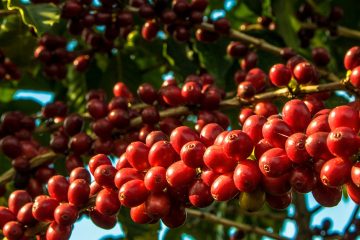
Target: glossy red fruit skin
[[318, 124], [149, 30], [261, 147], [353, 191], [265, 108], [209, 133], [101, 220], [133, 193], [126, 174], [238, 145], [13, 230], [209, 176], [303, 180], [247, 175], [335, 172], [341, 142], [17, 199], [257, 77], [355, 174], [121, 90], [98, 160], [171, 95], [137, 155], [253, 127], [244, 114], [191, 93], [296, 115], [352, 58], [104, 175], [355, 77], [276, 186], [162, 154], [25, 215], [192, 154], [305, 72], [316, 146], [274, 163], [66, 214], [97, 108], [155, 179], [79, 173], [276, 132], [295, 148], [178, 174], [119, 118], [58, 232], [279, 202], [200, 195], [147, 93], [223, 188], [58, 187], [80, 143], [236, 49], [107, 202], [6, 215], [158, 205], [139, 215], [280, 75], [180, 136], [176, 217], [78, 193], [219, 140], [155, 136], [344, 116], [216, 160], [325, 196], [44, 208]]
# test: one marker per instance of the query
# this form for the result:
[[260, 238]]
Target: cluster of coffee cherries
[[8, 69], [306, 13]]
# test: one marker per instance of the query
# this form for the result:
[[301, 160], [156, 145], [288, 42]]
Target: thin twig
[[351, 219]]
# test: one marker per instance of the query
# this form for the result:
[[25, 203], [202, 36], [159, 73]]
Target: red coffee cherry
[[80, 173], [261, 147], [316, 146], [335, 172], [355, 174], [139, 215], [133, 193], [325, 196], [244, 114], [155, 179], [209, 133], [118, 103], [107, 202], [236, 49], [137, 155], [104, 175], [171, 95], [352, 58], [155, 136], [239, 76], [56, 231], [44, 208], [249, 61], [149, 30], [200, 195], [295, 148], [305, 72], [150, 115], [320, 56], [98, 160], [246, 90], [73, 124], [279, 202], [353, 191], [178, 174], [17, 199], [97, 108], [209, 176], [318, 124], [223, 188], [6, 215], [216, 160], [58, 187], [258, 78], [191, 93], [238, 145], [253, 127], [344, 116], [314, 104], [265, 108], [176, 217], [219, 140], [296, 115], [121, 90], [66, 214], [180, 136], [222, 26], [276, 186], [276, 132], [10, 145], [162, 154], [126, 174], [303, 180], [80, 143], [342, 142], [119, 118], [25, 215], [355, 77], [274, 162], [101, 220], [158, 205], [280, 75], [247, 175], [79, 192], [192, 154], [13, 230]]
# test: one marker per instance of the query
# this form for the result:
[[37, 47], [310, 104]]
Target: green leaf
[[286, 22], [254, 5], [25, 106], [76, 84], [6, 94], [39, 16]]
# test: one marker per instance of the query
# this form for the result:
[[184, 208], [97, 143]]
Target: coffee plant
[[207, 116]]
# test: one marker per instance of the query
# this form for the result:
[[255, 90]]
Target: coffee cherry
[[261, 147], [66, 214], [318, 124], [258, 78], [265, 108], [303, 180], [80, 173], [121, 90], [80, 143], [276, 132], [133, 193], [247, 175], [253, 127], [355, 77], [44, 208], [119, 118], [296, 115], [222, 26], [6, 215], [327, 197], [335, 172], [171, 95], [246, 90], [58, 187], [139, 215], [162, 154], [137, 155], [176, 217], [223, 188], [126, 174], [56, 231], [150, 115], [147, 93], [101, 220], [199, 5], [216, 160], [149, 30], [107, 202], [239, 76], [209, 133], [344, 116], [314, 104], [236, 49], [158, 205], [352, 58], [355, 174], [342, 142], [9, 145], [155, 179], [78, 193], [155, 136], [180, 136], [191, 93], [13, 230], [320, 56], [280, 75], [279, 202], [192, 154], [249, 61], [98, 160], [274, 162], [353, 191], [17, 199], [97, 108], [178, 174], [118, 102], [200, 195], [238, 145], [305, 72], [316, 146], [25, 215], [295, 148]]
